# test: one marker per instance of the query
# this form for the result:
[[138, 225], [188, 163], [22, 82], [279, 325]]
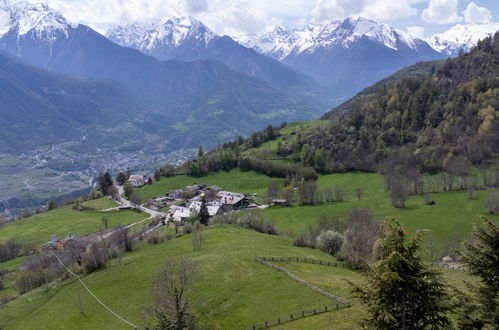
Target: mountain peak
[[168, 33], [281, 42], [25, 17], [461, 36]]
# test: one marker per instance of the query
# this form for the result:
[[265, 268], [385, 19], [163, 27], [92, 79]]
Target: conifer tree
[[481, 256], [204, 215], [401, 292]]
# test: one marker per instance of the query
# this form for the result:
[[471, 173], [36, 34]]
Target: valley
[[247, 165]]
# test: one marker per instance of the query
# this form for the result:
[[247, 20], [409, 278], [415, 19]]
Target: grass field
[[38, 228], [232, 291], [100, 203], [452, 216], [235, 180]]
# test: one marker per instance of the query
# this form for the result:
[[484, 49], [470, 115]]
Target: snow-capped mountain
[[461, 36], [188, 39], [39, 18], [164, 38], [281, 42], [336, 52]]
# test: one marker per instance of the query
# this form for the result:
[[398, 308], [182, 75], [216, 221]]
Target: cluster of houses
[[187, 202]]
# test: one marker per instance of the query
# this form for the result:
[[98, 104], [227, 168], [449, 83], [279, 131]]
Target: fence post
[[266, 324], [320, 262], [291, 317], [296, 259], [313, 261], [337, 306], [302, 313], [325, 309], [289, 258], [278, 320], [314, 311], [253, 327], [281, 259]]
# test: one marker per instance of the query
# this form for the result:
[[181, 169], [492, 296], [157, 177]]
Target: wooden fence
[[295, 316], [339, 302]]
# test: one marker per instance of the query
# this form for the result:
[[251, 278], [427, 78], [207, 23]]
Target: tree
[[204, 215], [104, 181], [359, 237], [200, 152], [121, 178], [105, 221], [113, 191], [481, 256], [127, 190], [492, 202], [401, 292], [171, 309], [135, 199], [307, 193], [398, 193], [272, 192], [157, 175], [51, 205]]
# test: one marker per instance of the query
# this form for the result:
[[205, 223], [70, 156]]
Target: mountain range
[[195, 85]]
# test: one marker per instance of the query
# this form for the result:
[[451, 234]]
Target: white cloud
[[327, 10], [223, 16], [475, 14], [416, 31], [441, 12]]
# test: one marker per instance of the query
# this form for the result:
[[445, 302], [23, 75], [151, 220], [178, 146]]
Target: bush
[[155, 238], [492, 202], [94, 259], [330, 241], [28, 280]]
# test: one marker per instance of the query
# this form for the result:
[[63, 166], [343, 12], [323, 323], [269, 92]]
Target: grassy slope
[[100, 204], [38, 228], [452, 215], [232, 291], [235, 180]]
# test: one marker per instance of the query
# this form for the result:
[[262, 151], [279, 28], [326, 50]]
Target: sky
[[237, 17]]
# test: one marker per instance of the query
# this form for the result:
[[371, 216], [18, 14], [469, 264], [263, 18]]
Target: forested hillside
[[429, 117]]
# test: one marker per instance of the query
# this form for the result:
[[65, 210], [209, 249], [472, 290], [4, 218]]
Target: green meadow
[[61, 221], [231, 291]]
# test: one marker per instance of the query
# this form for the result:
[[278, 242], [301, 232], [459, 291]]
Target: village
[[185, 203]]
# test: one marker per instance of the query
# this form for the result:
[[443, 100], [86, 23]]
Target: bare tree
[[307, 193], [273, 192], [171, 309], [135, 199], [358, 193], [359, 237], [492, 202], [113, 192], [398, 192]]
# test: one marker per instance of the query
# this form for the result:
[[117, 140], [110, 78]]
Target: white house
[[137, 180]]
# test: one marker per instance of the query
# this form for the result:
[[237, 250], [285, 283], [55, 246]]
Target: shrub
[[94, 259], [330, 241], [28, 280], [492, 202]]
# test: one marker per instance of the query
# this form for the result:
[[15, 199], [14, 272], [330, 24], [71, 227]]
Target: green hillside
[[38, 228], [232, 291]]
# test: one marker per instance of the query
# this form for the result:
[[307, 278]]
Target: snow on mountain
[[28, 17], [161, 35], [281, 42], [461, 36]]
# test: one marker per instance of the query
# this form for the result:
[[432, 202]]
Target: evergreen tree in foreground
[[401, 292], [481, 256]]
